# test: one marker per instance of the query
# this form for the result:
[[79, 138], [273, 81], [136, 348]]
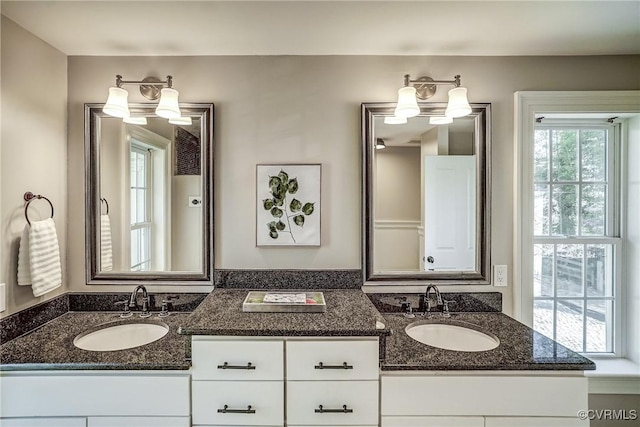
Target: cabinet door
[[534, 422], [139, 422], [248, 403], [43, 422], [433, 422], [329, 360], [216, 359], [305, 397]]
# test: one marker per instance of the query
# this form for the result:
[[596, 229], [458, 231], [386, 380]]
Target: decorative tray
[[284, 302]]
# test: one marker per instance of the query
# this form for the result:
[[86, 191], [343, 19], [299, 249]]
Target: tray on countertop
[[284, 302]]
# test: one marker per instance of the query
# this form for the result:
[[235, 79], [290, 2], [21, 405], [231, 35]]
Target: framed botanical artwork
[[288, 205]]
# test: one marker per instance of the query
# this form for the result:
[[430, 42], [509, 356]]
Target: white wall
[[632, 248], [307, 109], [34, 150]]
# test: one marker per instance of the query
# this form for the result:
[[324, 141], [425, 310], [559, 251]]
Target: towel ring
[[30, 197], [103, 200]]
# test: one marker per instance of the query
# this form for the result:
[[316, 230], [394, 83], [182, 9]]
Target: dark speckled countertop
[[520, 347], [349, 313], [51, 346]]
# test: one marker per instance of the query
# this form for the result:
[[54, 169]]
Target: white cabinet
[[237, 381], [332, 381], [499, 398], [43, 422], [94, 398], [240, 381], [433, 422]]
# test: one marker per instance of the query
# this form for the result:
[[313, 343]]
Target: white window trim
[[526, 105]]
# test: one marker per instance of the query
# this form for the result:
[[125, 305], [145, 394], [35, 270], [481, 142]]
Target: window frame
[[139, 148], [529, 105]]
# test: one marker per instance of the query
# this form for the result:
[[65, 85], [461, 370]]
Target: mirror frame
[[92, 113], [482, 275]]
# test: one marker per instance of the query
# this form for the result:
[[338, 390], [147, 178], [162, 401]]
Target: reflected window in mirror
[[426, 196], [149, 196]]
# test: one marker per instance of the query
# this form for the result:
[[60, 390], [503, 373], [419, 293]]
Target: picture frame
[[288, 204]]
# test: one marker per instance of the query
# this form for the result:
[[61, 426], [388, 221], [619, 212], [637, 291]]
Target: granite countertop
[[349, 313], [51, 346], [521, 348]]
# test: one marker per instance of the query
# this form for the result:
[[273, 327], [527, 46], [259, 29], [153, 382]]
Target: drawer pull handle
[[344, 410], [227, 366], [226, 410], [343, 366]]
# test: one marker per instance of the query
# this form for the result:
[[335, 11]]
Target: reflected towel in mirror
[[39, 257], [106, 250]]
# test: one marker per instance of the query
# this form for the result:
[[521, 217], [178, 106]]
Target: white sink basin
[[120, 337], [451, 337]]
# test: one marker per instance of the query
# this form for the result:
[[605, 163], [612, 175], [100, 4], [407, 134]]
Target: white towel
[[106, 250], [39, 258]]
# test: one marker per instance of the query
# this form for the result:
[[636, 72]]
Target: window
[[576, 244], [140, 191]]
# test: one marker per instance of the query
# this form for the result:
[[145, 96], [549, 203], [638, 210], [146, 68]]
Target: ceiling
[[451, 27]]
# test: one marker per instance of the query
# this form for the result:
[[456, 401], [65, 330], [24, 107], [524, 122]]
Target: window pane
[[594, 211], [594, 155], [541, 210], [599, 314], [135, 247], [543, 317], [569, 326], [564, 210], [541, 156], [141, 206], [141, 175], [542, 270], [569, 260], [599, 273], [134, 206], [134, 170], [145, 244], [565, 155]]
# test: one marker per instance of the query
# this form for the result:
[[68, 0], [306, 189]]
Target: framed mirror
[[149, 196], [426, 196]]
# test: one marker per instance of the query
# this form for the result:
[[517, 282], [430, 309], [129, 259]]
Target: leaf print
[[278, 202], [293, 185], [276, 212], [272, 226], [273, 234], [299, 220], [274, 181], [280, 225], [307, 209], [295, 205], [283, 176], [268, 204]]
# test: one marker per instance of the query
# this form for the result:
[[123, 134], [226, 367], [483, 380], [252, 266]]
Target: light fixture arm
[[146, 81], [426, 86]]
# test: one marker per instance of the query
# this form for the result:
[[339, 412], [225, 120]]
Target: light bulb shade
[[135, 120], [117, 105], [168, 105], [407, 104], [440, 120], [458, 105], [181, 121], [395, 120]]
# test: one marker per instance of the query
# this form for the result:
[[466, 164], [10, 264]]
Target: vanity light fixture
[[151, 88], [440, 120], [135, 120], [395, 120], [424, 88], [380, 144]]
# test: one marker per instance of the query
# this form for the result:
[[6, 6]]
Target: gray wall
[[307, 109], [34, 150]]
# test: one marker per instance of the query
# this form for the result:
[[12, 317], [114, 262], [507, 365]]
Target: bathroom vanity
[[349, 366]]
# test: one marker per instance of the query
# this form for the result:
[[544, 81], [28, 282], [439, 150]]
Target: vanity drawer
[[305, 397], [264, 397], [214, 359], [327, 359]]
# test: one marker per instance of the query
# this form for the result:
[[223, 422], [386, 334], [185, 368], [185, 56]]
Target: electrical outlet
[[499, 275]]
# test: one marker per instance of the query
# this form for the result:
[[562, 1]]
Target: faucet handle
[[125, 308], [445, 307], [166, 301]]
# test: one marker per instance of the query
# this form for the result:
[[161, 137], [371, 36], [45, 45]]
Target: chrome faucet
[[434, 299], [145, 300]]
